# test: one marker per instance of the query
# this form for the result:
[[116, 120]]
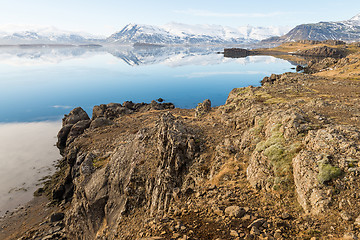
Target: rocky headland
[[280, 161]]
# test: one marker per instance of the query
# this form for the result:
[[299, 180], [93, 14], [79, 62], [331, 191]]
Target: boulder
[[76, 115]]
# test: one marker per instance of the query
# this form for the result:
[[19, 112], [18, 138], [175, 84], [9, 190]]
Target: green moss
[[327, 172], [280, 155], [100, 162], [276, 137], [274, 152]]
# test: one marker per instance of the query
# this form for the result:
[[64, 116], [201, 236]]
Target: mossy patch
[[280, 156], [327, 172], [100, 162]]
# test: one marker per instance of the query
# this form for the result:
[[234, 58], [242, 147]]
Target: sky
[[104, 17]]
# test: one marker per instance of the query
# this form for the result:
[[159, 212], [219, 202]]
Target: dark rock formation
[[236, 52], [115, 110], [68, 127]]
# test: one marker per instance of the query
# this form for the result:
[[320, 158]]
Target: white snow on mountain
[[179, 33], [227, 33], [23, 34]]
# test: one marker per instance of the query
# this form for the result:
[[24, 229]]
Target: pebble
[[277, 234], [257, 223], [345, 216], [233, 233], [285, 215]]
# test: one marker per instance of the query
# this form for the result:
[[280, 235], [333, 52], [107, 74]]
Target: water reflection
[[27, 154], [133, 56], [41, 84]]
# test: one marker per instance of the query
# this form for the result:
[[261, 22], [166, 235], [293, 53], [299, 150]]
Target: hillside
[[280, 161]]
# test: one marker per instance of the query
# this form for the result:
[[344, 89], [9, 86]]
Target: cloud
[[61, 106], [206, 13]]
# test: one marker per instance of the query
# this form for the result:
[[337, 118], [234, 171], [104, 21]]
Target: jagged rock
[[62, 136], [203, 108], [138, 176], [312, 168], [73, 125]]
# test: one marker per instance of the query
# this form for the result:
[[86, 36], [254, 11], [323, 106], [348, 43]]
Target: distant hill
[[348, 31], [45, 35]]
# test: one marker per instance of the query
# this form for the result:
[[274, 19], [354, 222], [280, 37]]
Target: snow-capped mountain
[[177, 33], [348, 30], [42, 35]]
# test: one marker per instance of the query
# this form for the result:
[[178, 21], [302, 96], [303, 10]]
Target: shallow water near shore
[[38, 86], [27, 154]]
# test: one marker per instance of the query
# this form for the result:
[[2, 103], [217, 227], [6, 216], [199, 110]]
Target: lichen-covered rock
[[328, 153]]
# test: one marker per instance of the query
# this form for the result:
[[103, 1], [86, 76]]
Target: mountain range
[[169, 34], [185, 34], [177, 33], [348, 30]]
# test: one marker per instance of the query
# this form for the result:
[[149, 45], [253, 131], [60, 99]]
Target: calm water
[[39, 85]]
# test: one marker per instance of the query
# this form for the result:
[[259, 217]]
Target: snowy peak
[[178, 33], [348, 30], [355, 18]]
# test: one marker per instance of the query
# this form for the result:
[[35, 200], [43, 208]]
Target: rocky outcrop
[[236, 52], [322, 52], [115, 110], [147, 170], [328, 153], [73, 125]]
